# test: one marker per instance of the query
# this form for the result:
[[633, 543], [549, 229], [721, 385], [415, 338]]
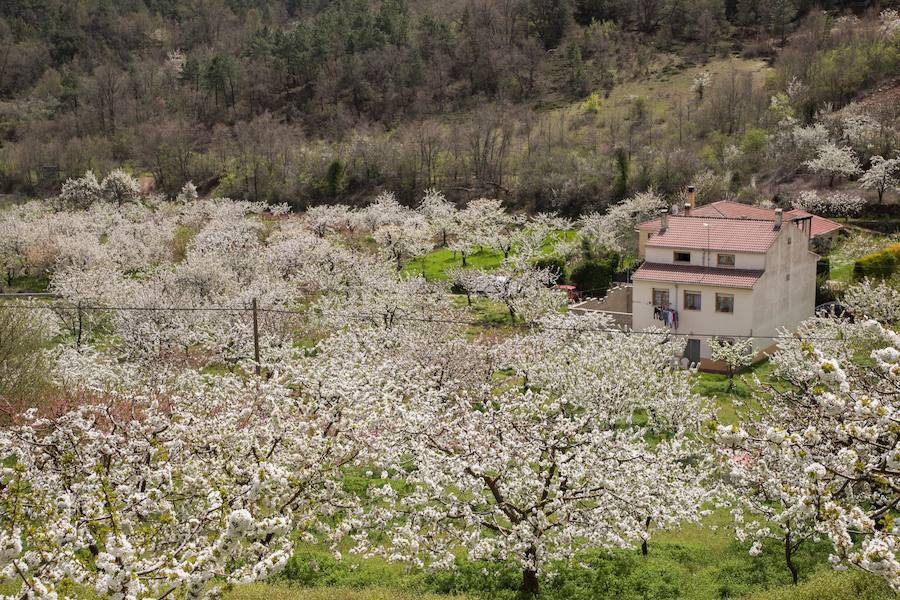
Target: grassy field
[[824, 585], [434, 265]]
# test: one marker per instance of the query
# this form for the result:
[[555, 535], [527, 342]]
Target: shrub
[[593, 276], [823, 292], [832, 585], [555, 264], [880, 265], [22, 376]]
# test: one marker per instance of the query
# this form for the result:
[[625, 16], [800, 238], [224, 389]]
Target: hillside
[[547, 104]]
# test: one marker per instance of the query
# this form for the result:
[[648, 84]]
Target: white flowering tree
[[329, 218], [81, 192], [539, 452], [615, 229], [440, 213], [821, 457], [481, 224], [841, 204], [187, 193], [877, 300], [119, 187], [384, 210], [833, 161], [768, 490], [541, 231], [883, 175], [172, 485], [400, 242], [527, 293], [700, 83], [736, 353]]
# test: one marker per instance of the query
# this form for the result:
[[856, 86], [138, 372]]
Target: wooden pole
[[255, 335], [78, 327]]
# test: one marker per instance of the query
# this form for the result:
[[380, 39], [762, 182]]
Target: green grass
[[264, 591], [485, 312], [434, 265], [695, 562], [27, 283], [730, 403], [831, 585], [841, 272]]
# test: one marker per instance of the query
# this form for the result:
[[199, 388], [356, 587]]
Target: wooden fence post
[[78, 325], [256, 335]]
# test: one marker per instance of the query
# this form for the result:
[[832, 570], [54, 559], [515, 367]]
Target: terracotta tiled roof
[[733, 210], [734, 278], [729, 235], [820, 225], [737, 210]]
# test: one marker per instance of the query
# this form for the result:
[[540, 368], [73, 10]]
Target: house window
[[660, 297], [691, 300], [683, 257], [724, 303], [725, 260]]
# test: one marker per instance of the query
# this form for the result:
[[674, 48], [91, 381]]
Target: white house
[[717, 276]]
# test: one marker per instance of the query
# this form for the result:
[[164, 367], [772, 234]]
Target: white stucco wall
[[742, 260], [700, 324], [786, 293], [775, 302]]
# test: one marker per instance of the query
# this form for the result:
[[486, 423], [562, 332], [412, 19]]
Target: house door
[[692, 352]]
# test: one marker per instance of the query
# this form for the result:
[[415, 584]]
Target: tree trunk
[[530, 586], [788, 551], [644, 548]]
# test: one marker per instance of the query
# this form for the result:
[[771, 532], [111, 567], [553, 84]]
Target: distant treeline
[[310, 100]]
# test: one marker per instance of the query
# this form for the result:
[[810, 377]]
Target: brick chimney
[[779, 218], [663, 220], [692, 196]]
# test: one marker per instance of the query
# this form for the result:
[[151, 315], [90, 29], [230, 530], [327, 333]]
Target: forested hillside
[[546, 104]]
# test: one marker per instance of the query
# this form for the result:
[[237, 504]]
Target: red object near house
[[570, 290]]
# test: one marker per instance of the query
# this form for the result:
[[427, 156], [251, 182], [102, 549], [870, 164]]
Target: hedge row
[[878, 265]]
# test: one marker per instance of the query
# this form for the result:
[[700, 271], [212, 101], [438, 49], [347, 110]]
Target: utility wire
[[400, 317]]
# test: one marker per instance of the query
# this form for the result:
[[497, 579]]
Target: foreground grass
[[698, 562], [288, 592]]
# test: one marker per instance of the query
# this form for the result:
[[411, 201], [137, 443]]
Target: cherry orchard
[[152, 484], [553, 445]]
